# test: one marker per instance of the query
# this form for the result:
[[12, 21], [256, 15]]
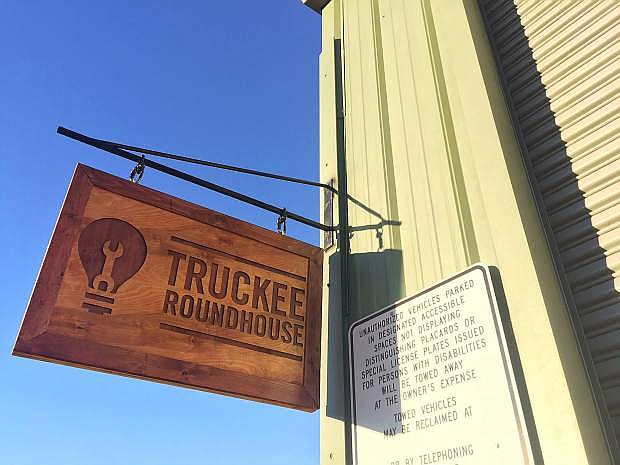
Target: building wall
[[430, 146]]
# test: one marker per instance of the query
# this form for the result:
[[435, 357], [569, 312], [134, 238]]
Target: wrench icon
[[104, 281]]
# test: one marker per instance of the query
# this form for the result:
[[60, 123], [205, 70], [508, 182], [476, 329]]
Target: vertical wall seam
[[367, 187], [420, 277], [386, 136], [449, 134]]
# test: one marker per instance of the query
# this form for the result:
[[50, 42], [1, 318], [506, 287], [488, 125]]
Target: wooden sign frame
[[82, 340]]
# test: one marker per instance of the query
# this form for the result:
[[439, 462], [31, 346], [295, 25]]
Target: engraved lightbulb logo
[[111, 251]]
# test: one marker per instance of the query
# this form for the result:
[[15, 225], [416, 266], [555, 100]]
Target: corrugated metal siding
[[561, 67], [400, 139]]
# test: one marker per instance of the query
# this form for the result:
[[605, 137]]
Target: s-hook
[[281, 223], [137, 172]]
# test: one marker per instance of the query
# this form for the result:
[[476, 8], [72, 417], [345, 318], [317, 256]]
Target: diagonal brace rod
[[221, 166], [115, 150]]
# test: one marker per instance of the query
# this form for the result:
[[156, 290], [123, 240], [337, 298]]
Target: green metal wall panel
[[429, 145]]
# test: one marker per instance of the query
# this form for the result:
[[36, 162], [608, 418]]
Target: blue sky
[[230, 81]]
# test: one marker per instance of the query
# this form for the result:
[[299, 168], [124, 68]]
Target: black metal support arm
[[221, 166], [116, 150]]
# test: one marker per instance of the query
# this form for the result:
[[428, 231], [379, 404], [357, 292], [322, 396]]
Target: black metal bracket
[[122, 151], [221, 166]]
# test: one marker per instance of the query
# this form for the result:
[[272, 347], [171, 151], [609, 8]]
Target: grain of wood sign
[[140, 283]]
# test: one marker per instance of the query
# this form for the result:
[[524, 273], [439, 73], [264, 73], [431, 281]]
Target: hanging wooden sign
[[142, 284]]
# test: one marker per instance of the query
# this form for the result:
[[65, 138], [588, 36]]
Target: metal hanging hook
[[380, 236], [281, 223], [137, 172]]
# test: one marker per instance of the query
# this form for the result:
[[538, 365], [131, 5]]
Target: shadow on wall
[[580, 260], [376, 280]]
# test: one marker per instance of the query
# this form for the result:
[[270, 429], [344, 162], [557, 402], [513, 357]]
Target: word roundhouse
[[245, 291], [140, 283]]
